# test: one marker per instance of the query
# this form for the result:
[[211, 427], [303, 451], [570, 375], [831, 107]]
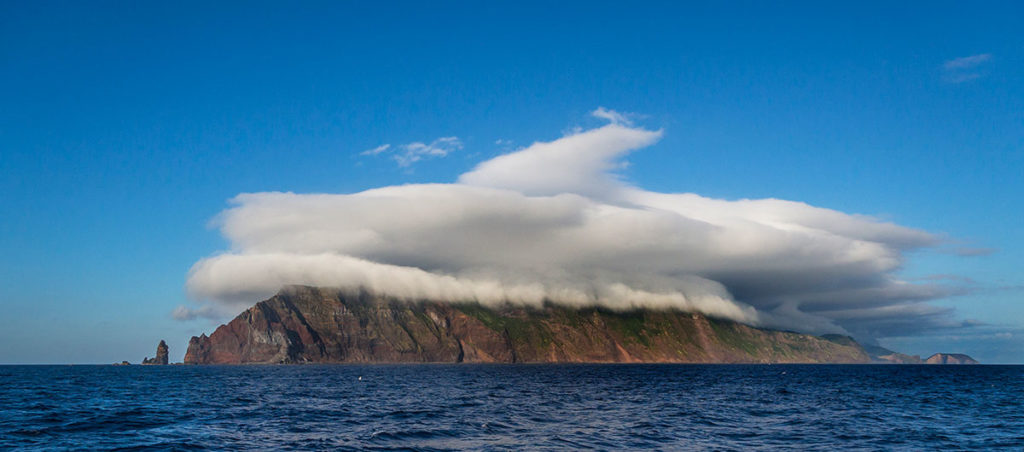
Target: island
[[950, 358], [302, 324]]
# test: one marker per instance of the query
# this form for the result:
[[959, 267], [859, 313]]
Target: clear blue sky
[[125, 127]]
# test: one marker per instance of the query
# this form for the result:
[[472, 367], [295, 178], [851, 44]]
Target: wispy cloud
[[184, 313], [973, 251], [612, 116], [414, 152], [948, 277], [376, 150], [966, 249], [959, 70], [967, 62], [408, 154]]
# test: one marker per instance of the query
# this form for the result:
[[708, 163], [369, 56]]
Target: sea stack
[[161, 355]]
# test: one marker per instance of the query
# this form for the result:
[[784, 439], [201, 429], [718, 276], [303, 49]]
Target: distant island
[[302, 324], [950, 358]]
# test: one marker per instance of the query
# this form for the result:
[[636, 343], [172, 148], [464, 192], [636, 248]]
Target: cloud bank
[[553, 221]]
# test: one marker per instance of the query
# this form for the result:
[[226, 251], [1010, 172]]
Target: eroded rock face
[[161, 355], [950, 358], [316, 325]]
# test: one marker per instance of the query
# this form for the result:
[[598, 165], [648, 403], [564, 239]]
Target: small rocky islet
[[161, 355]]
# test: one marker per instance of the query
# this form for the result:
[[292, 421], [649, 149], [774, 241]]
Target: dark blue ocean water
[[513, 407]]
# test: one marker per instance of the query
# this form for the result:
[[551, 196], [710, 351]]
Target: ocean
[[512, 407]]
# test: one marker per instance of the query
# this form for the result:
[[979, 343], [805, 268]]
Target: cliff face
[[313, 325], [950, 358]]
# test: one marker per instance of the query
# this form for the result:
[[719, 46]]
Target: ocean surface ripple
[[512, 407]]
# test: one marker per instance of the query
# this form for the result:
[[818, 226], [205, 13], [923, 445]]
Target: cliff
[[316, 325], [950, 358]]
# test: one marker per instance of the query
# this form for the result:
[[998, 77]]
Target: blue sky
[[126, 127]]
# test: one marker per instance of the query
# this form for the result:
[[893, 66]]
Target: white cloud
[[612, 116], [408, 154], [578, 163], [552, 221]]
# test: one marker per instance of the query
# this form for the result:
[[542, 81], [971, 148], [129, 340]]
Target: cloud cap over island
[[553, 221]]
